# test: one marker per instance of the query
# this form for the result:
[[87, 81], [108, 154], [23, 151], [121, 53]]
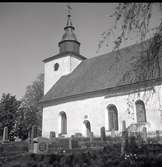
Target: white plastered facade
[[95, 109], [66, 65]]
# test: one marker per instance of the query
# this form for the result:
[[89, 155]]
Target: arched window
[[63, 123], [112, 117], [88, 127], [140, 111]]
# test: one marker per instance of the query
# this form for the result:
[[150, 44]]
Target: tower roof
[[69, 30]]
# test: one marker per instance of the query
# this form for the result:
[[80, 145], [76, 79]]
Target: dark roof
[[98, 73], [73, 54]]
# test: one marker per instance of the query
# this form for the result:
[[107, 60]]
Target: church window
[[140, 111], [56, 66], [88, 127], [63, 123], [112, 117]]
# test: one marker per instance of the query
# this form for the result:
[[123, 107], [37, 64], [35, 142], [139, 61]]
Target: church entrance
[[88, 127]]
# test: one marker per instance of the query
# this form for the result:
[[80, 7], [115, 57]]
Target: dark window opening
[[112, 117], [140, 111], [56, 66]]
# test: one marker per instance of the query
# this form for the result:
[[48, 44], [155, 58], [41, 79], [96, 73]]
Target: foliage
[[34, 93], [109, 156], [30, 112], [135, 18], [8, 111]]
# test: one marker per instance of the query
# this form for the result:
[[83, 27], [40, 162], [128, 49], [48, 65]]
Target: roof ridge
[[121, 49]]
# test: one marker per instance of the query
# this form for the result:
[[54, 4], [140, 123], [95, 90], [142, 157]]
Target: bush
[[109, 156]]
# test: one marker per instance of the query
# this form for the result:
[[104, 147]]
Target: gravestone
[[102, 133], [29, 136], [123, 125], [70, 143], [73, 142], [91, 137], [34, 132], [113, 133], [157, 135], [52, 135], [144, 134], [124, 143], [41, 145], [5, 135]]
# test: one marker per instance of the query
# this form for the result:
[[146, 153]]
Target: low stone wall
[[13, 148], [66, 144]]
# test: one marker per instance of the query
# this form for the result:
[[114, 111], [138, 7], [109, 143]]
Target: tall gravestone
[[52, 135], [123, 125], [144, 134], [34, 132], [124, 142], [102, 133], [157, 135], [113, 133], [5, 135], [91, 137]]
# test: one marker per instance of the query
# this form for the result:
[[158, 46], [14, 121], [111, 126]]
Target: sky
[[30, 32]]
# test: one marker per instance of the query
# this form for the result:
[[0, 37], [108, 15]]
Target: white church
[[82, 95]]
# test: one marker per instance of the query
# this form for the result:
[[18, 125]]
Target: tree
[[8, 111], [135, 18], [34, 93], [30, 111]]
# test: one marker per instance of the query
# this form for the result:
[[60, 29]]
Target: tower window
[[56, 66]]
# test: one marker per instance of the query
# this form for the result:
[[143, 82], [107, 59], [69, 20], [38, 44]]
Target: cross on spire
[[69, 22], [69, 8]]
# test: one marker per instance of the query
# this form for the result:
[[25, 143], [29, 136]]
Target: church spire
[[69, 41], [69, 20]]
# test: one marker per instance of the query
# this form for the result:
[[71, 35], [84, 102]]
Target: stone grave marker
[[34, 132], [5, 135], [40, 145], [102, 133], [123, 125], [52, 135], [91, 137], [70, 142], [144, 134], [157, 135], [124, 142], [113, 133]]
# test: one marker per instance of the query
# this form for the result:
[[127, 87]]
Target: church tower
[[66, 60]]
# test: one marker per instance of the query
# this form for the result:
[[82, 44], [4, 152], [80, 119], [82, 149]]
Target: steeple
[[69, 42], [69, 21]]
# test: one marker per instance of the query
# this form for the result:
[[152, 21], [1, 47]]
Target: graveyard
[[125, 149]]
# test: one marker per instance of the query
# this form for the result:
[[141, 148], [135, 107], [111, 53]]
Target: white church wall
[[97, 113], [51, 76], [75, 112], [152, 106], [74, 63]]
